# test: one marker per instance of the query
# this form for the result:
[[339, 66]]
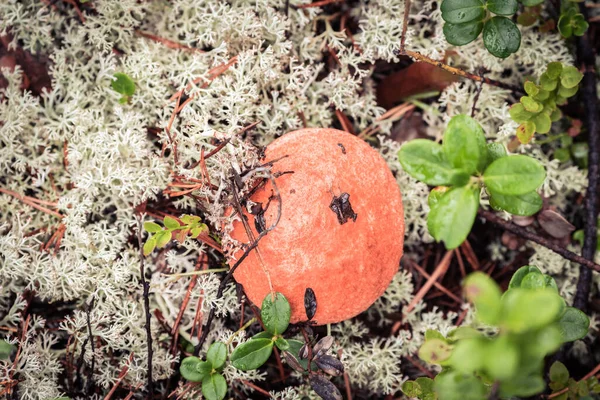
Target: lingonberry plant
[[530, 321], [460, 168], [178, 228]]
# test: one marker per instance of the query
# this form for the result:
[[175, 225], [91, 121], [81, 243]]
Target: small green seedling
[[214, 386], [124, 85], [460, 167], [566, 388], [532, 321], [466, 19], [536, 111], [178, 228], [572, 23]]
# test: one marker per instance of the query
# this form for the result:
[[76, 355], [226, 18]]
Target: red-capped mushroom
[[341, 230]]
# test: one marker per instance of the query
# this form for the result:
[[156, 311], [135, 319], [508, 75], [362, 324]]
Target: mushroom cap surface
[[348, 265]]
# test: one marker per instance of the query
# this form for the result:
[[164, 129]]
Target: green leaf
[[496, 151], [152, 227], [425, 161], [522, 386], [252, 354], [564, 26], [542, 122], [570, 77], [531, 105], [519, 114], [548, 83], [452, 385], [294, 350], [123, 84], [503, 7], [574, 324], [162, 238], [426, 384], [461, 11], [462, 34], [524, 309], [531, 88], [464, 144], [484, 293], [275, 314], [435, 195], [467, 355], [194, 370], [411, 389], [517, 278], [6, 350], [525, 132], [217, 354], [452, 218], [567, 92], [531, 3], [501, 358], [214, 387], [150, 245], [580, 25], [554, 69], [171, 223], [282, 344], [501, 37], [524, 204], [514, 175], [559, 373], [435, 351], [433, 334]]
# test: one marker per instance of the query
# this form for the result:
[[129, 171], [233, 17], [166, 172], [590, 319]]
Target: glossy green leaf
[[275, 313], [452, 218], [162, 238], [574, 324], [501, 358], [217, 354], [495, 151], [252, 354], [517, 278], [214, 387], [150, 245], [462, 34], [485, 294], [411, 389], [514, 175], [559, 373], [464, 144], [570, 76], [426, 384], [503, 7], [194, 370], [523, 204], [580, 25], [524, 309], [542, 122], [435, 351], [152, 227], [436, 194], [6, 350], [461, 11], [501, 37], [519, 114], [282, 344], [123, 84], [425, 161], [531, 105], [171, 223]]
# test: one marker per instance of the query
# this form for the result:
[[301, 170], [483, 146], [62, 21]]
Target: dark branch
[[146, 294], [520, 231], [586, 57], [90, 381]]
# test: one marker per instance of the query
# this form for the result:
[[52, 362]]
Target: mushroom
[[341, 229]]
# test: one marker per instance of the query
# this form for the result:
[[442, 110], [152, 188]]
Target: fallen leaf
[[555, 224]]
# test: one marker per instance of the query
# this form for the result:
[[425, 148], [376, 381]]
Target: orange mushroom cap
[[348, 260]]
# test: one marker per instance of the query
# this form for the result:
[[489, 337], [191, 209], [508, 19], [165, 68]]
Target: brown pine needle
[[439, 270]]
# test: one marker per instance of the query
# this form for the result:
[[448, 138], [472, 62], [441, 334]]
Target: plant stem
[[585, 55], [146, 295], [520, 231], [243, 328]]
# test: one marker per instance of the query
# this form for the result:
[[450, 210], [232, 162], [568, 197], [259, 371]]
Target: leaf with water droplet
[[501, 37], [461, 11], [275, 313]]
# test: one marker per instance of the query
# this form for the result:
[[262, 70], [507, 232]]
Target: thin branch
[[520, 231], [167, 42], [90, 381], [439, 270], [586, 58], [146, 294], [319, 3], [33, 202], [404, 25]]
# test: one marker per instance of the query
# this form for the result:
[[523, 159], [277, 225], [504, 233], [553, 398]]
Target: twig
[[590, 104], [439, 270], [168, 43], [258, 389], [33, 202], [223, 284], [520, 231], [122, 375], [146, 294], [436, 283], [404, 25], [319, 3], [90, 381], [477, 94]]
